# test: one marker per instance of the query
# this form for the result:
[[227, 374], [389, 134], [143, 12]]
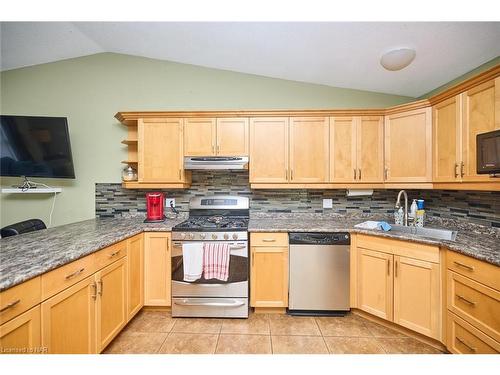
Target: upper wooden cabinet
[[478, 117], [216, 137], [289, 150], [309, 149], [161, 151], [356, 149], [408, 146], [269, 150]]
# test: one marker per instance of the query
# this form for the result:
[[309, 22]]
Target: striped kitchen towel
[[216, 261]]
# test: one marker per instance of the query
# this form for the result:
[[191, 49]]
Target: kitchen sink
[[439, 234]]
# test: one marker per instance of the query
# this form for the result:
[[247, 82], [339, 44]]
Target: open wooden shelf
[[130, 142], [153, 185], [129, 161]]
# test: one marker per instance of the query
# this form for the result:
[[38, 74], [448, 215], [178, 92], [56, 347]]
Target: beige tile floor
[[157, 332]]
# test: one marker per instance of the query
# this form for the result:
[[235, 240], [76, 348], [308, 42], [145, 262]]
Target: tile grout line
[[322, 336]]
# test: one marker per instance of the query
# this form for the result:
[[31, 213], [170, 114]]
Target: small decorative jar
[[129, 174]]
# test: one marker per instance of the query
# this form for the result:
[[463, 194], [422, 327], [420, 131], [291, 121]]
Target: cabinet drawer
[[269, 239], [477, 304], [407, 249], [109, 254], [483, 272], [465, 339], [19, 298], [67, 275]]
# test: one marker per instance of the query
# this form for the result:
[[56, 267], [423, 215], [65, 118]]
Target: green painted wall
[[90, 90]]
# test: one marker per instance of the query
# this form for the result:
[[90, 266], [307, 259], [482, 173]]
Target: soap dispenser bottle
[[413, 210]]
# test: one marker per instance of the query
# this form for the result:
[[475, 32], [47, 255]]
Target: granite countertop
[[31, 254], [473, 240]]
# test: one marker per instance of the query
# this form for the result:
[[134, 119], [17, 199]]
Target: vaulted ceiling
[[341, 54]]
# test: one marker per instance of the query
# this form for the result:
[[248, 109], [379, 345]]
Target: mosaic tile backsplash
[[477, 207]]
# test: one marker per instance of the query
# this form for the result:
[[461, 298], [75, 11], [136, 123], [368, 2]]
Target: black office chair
[[22, 227]]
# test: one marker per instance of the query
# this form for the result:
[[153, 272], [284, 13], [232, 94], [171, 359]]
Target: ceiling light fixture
[[397, 59]]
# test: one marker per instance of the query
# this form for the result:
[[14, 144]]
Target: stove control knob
[[235, 236], [183, 235], [202, 236], [226, 236], [191, 236], [214, 236]]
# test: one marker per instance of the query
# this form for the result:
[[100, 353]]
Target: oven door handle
[[237, 247], [215, 304]]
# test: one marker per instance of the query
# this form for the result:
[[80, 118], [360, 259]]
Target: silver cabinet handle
[[76, 273], [456, 170], [386, 172], [467, 301], [470, 268], [388, 267], [114, 253], [354, 173], [268, 240], [396, 268], [464, 343], [99, 287], [215, 304], [218, 149], [94, 287], [359, 174], [9, 305], [180, 178], [462, 165]]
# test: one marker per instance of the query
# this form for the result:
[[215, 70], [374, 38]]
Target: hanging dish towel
[[216, 261], [192, 261]]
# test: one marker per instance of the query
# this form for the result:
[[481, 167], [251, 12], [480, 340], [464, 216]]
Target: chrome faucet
[[398, 205]]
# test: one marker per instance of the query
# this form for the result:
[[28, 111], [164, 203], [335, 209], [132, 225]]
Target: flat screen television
[[34, 146]]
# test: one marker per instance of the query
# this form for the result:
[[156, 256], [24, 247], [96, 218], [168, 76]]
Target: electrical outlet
[[168, 201], [327, 203]]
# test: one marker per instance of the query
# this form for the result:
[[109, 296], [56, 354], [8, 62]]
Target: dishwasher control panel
[[318, 238]]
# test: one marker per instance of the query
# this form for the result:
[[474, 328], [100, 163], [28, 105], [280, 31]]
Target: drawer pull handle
[[469, 302], [9, 305], [114, 253], [269, 240], [462, 341], [470, 268], [76, 273]]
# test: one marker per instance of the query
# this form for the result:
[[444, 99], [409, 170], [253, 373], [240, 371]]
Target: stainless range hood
[[215, 162]]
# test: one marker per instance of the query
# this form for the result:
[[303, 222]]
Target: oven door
[[235, 286]]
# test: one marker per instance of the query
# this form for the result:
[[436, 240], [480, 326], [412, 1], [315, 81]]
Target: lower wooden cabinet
[[375, 283], [69, 319], [417, 296], [463, 338], [135, 275], [157, 269], [269, 270], [21, 335], [111, 306]]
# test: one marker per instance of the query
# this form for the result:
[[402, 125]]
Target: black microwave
[[488, 152]]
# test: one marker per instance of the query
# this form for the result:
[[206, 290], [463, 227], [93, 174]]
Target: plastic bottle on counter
[[420, 217], [413, 210]]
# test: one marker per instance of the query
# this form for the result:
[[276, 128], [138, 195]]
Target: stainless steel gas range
[[213, 219]]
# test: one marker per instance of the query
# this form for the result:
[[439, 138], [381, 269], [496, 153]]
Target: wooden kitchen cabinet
[[417, 296], [478, 117], [157, 269], [309, 149], [69, 319], [111, 302], [199, 136], [269, 150], [232, 137], [269, 270], [160, 151], [356, 149], [21, 335], [408, 146], [135, 275], [375, 283]]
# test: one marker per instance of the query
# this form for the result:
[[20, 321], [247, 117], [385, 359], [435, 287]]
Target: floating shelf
[[129, 161], [130, 142], [31, 191]]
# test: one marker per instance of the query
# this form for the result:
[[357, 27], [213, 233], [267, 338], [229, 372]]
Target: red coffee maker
[[154, 206]]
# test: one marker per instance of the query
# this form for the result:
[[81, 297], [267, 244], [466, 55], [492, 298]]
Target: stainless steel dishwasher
[[319, 273]]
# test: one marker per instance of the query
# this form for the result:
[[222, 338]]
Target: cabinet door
[[478, 117], [269, 150], [21, 335], [199, 136], [160, 150], [370, 149], [309, 149], [111, 302], [446, 131], [375, 283], [269, 277], [343, 149], [135, 272], [157, 268], [69, 320], [417, 296], [232, 137], [408, 146]]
